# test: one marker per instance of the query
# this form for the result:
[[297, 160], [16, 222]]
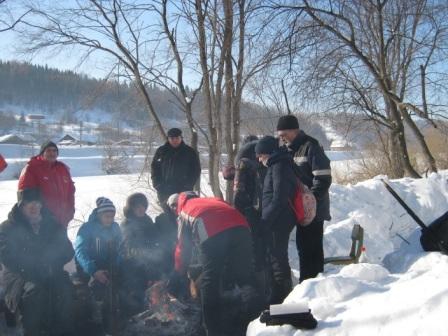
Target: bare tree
[[115, 28], [235, 42], [8, 21], [366, 54]]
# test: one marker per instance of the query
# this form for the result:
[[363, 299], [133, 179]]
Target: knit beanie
[[174, 132], [28, 195], [104, 204], [172, 200], [46, 145], [287, 122], [266, 145]]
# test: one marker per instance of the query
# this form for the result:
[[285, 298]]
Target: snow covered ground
[[86, 160], [401, 290]]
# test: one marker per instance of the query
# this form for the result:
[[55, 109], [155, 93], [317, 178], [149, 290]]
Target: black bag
[[297, 320], [438, 228]]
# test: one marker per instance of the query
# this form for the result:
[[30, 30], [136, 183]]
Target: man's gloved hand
[[177, 284]]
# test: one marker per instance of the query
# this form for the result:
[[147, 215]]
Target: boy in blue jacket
[[97, 254]]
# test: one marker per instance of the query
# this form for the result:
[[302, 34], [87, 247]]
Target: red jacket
[[200, 219], [55, 184], [3, 164]]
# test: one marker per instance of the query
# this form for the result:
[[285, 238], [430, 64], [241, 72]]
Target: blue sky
[[95, 66]]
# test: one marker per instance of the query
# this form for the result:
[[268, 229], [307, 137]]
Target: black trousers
[[281, 283], [231, 251], [309, 240], [48, 309]]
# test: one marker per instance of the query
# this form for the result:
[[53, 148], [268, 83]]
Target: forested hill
[[63, 94], [69, 97]]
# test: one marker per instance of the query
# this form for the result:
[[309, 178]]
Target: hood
[[247, 151], [183, 199], [279, 155], [40, 161], [15, 216]]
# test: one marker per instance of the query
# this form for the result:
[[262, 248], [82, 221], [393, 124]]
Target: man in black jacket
[[34, 249], [277, 214], [175, 167], [248, 188], [313, 169]]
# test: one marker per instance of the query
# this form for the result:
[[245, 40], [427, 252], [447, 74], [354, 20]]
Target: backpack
[[303, 204]]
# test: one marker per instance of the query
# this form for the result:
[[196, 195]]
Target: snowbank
[[401, 290]]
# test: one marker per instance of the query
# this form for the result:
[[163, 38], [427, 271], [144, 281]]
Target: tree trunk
[[429, 159], [229, 84], [399, 149], [214, 153]]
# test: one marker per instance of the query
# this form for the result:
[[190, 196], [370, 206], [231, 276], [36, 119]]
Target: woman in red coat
[[53, 179]]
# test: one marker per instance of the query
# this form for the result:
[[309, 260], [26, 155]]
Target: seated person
[[33, 250], [167, 227], [144, 257], [97, 257]]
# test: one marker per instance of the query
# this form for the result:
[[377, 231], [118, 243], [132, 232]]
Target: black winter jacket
[[313, 169], [278, 190], [249, 177], [30, 257], [175, 169], [142, 248]]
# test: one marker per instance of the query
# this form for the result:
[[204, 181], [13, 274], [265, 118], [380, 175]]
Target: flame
[[161, 302]]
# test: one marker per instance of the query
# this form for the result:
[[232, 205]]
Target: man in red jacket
[[3, 164], [53, 179], [222, 236]]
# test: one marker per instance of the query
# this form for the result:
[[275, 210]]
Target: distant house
[[69, 139], [341, 145], [14, 139]]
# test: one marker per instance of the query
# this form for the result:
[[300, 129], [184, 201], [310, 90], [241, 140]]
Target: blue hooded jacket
[[97, 246]]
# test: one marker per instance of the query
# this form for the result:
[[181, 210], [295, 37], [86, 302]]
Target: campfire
[[166, 315]]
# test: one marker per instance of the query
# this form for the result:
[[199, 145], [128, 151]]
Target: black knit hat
[[28, 195], [174, 132], [46, 145], [266, 145], [287, 122], [134, 200]]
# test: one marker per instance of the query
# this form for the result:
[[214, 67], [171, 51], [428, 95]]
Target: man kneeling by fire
[[221, 236]]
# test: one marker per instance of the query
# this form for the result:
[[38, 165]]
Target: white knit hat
[[172, 200], [104, 204]]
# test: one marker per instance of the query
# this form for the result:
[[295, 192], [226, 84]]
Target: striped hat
[[104, 204]]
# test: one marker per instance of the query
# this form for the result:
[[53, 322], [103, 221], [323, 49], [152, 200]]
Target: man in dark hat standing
[[33, 250], [175, 167], [313, 169], [53, 179]]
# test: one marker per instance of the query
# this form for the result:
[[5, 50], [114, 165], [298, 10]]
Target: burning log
[[166, 315]]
